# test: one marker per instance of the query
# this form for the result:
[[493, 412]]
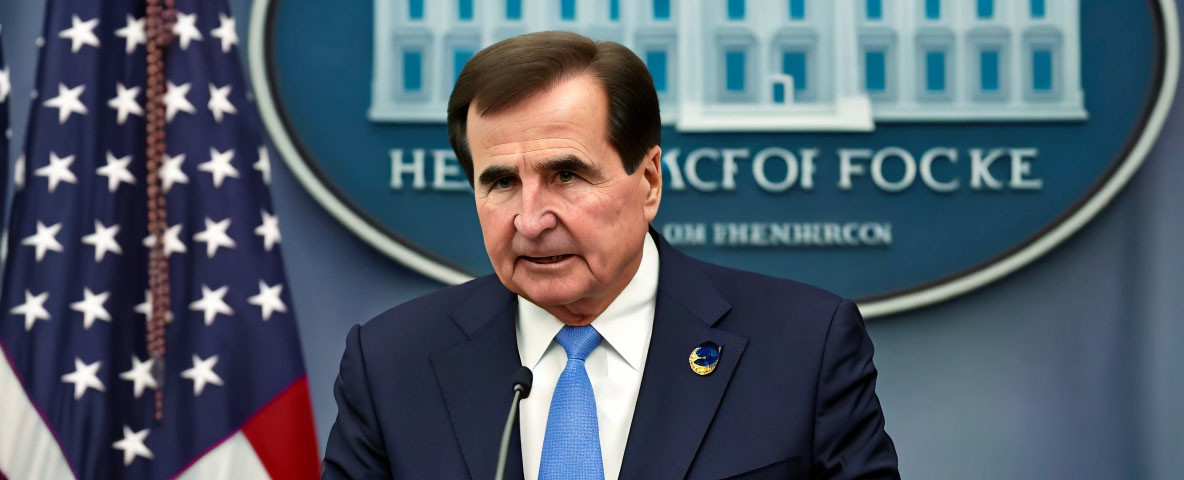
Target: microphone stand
[[522, 383], [505, 448]]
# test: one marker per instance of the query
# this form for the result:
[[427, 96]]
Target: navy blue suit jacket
[[425, 387]]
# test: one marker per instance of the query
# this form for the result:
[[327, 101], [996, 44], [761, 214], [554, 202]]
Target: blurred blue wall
[[1069, 368]]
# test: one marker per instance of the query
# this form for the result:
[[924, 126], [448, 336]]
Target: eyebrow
[[570, 163], [494, 172]]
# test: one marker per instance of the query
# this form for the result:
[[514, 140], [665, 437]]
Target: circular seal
[[900, 153]]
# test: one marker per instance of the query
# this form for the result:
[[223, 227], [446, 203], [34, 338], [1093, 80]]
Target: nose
[[537, 215]]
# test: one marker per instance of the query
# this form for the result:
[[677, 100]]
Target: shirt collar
[[625, 325]]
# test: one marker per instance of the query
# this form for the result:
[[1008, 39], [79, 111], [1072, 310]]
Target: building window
[[412, 70], [1037, 8], [464, 9], [734, 70], [1042, 70], [735, 9], [875, 74], [797, 9], [989, 71], [986, 9], [935, 72], [459, 59], [567, 9], [794, 65], [656, 61], [661, 9], [614, 10], [933, 9], [875, 9], [513, 9], [778, 92], [415, 9]]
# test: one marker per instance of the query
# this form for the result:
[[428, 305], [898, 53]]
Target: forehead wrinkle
[[511, 128], [547, 131], [533, 146]]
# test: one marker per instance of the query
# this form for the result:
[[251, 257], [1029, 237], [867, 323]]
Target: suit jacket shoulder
[[799, 305], [424, 322]]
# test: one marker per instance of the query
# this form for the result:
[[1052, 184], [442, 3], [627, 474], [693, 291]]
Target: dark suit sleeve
[[849, 437], [355, 448]]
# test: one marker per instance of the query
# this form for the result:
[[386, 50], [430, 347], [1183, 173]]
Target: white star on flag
[[133, 34], [103, 240], [219, 166], [81, 33], [175, 101], [186, 29], [5, 83], [67, 102], [263, 165], [225, 32], [202, 373], [91, 308], [140, 375], [172, 240], [125, 103], [33, 309], [219, 103], [116, 171], [269, 300], [84, 377], [57, 171], [170, 172], [269, 230], [132, 445], [44, 240], [214, 236], [212, 303]]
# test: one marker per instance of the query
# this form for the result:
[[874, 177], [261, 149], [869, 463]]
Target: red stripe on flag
[[283, 436]]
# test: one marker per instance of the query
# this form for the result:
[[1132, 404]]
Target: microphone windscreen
[[524, 377]]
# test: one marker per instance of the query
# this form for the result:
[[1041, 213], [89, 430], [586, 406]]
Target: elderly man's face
[[563, 223]]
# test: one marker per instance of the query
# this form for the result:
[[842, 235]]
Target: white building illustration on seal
[[767, 65]]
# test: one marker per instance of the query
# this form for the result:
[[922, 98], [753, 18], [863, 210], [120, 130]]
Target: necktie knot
[[578, 341]]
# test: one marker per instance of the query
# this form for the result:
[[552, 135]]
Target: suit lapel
[[475, 379], [675, 405]]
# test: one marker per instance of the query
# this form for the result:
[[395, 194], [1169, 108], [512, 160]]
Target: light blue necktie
[[571, 446]]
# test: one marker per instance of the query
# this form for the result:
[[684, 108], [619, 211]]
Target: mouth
[[546, 260]]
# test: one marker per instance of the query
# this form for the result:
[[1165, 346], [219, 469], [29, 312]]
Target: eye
[[566, 176], [503, 183]]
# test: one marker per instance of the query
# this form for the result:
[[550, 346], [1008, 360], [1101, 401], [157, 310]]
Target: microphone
[[522, 382]]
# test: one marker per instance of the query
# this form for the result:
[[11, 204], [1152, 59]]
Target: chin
[[551, 293]]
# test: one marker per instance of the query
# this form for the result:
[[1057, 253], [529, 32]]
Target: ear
[[651, 181]]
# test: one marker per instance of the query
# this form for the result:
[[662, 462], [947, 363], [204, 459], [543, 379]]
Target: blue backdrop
[[1068, 368]]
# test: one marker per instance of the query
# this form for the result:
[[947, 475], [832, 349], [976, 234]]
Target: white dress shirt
[[614, 367]]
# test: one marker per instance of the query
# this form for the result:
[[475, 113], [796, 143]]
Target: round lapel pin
[[704, 358]]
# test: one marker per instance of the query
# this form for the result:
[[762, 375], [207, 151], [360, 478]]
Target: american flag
[[77, 386]]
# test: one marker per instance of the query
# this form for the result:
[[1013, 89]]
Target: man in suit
[[647, 364]]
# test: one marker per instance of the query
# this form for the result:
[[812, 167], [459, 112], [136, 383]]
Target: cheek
[[497, 228], [607, 219]]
